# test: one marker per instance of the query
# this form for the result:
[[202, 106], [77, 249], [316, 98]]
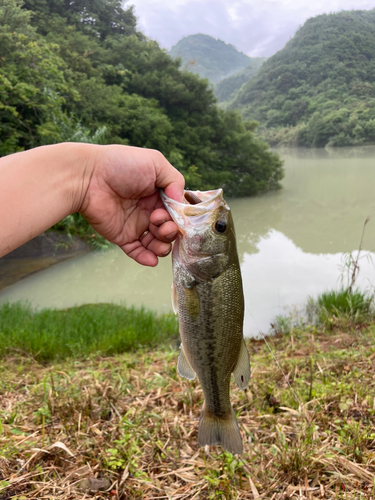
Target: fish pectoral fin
[[174, 298], [242, 371], [183, 366]]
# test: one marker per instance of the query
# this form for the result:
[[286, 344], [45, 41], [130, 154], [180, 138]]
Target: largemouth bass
[[207, 295]]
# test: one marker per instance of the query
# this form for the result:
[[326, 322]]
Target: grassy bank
[[78, 332], [128, 424]]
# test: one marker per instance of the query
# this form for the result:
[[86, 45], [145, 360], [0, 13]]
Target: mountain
[[227, 88], [320, 88], [208, 57]]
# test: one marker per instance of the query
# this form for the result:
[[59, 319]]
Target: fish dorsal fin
[[242, 371], [183, 366], [174, 298]]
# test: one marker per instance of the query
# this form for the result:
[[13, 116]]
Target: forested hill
[[227, 89], [80, 70], [320, 89], [208, 57]]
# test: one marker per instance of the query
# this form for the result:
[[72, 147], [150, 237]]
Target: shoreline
[[46, 250]]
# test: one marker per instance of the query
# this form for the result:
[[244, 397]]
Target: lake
[[291, 245]]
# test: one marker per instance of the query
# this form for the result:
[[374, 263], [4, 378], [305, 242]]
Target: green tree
[[99, 71], [94, 17], [32, 83]]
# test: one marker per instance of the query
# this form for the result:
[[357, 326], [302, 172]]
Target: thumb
[[169, 179]]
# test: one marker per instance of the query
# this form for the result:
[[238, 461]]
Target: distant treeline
[[80, 70], [320, 89]]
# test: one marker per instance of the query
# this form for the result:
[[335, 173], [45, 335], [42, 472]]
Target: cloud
[[256, 27]]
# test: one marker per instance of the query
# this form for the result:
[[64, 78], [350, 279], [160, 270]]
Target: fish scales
[[208, 298], [212, 340]]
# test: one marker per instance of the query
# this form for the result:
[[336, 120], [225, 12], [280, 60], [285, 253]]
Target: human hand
[[122, 200]]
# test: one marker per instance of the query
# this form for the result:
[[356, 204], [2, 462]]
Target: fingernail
[[171, 236], [166, 253]]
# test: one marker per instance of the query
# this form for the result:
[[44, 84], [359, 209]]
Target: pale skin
[[116, 188]]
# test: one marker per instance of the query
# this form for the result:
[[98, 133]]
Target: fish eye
[[220, 226]]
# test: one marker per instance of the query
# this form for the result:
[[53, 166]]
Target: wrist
[[80, 159]]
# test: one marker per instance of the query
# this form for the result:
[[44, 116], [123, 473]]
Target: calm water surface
[[291, 245]]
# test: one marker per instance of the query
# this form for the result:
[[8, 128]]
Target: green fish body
[[208, 298]]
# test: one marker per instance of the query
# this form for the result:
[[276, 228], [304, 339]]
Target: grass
[[330, 308], [127, 423], [344, 302], [341, 305], [102, 329]]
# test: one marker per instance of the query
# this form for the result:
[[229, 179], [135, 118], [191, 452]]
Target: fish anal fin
[[223, 431], [174, 298], [242, 372], [183, 366]]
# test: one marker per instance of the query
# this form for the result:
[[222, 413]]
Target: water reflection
[[321, 208], [280, 276], [290, 243]]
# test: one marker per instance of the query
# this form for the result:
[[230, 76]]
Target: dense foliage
[[226, 90], [208, 57], [320, 89], [31, 83], [80, 70]]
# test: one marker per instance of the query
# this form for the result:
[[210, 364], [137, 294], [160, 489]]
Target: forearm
[[40, 187]]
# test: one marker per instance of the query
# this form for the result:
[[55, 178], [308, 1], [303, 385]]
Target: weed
[[282, 324], [349, 303], [338, 305], [350, 266]]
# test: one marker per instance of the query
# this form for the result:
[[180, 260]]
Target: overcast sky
[[256, 27]]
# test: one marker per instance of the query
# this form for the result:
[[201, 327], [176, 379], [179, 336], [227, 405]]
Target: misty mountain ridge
[[209, 57], [320, 88], [226, 90]]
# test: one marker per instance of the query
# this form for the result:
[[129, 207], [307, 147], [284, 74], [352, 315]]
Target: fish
[[207, 295]]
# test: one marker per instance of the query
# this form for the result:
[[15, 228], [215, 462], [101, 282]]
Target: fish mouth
[[197, 207]]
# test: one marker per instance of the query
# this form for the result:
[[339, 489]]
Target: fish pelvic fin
[[214, 430], [242, 373], [183, 366]]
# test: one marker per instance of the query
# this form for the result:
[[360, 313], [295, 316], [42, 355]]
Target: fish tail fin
[[224, 431]]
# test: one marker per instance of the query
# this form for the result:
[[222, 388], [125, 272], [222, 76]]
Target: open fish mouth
[[197, 207]]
